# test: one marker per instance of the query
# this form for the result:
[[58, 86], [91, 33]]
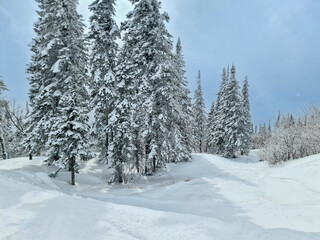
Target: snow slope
[[210, 198]]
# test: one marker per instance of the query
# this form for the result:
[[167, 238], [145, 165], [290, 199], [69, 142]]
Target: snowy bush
[[292, 139]]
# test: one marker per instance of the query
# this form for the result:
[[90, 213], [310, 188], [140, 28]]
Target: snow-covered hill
[[210, 198]]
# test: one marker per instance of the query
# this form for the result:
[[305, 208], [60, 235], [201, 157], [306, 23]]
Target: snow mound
[[210, 198]]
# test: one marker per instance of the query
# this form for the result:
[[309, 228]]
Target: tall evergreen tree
[[104, 33], [210, 129], [121, 125], [59, 84], [278, 120], [145, 115], [245, 124], [231, 120], [182, 112], [218, 131], [199, 115], [42, 95], [70, 130]]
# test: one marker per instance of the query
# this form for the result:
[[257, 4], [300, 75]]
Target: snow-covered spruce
[[182, 112], [231, 120], [199, 118], [210, 130], [104, 33], [43, 94], [148, 121], [229, 123], [216, 134], [59, 84], [245, 123]]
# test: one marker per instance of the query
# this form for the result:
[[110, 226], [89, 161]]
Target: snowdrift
[[210, 198]]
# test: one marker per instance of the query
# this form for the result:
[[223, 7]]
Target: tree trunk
[[137, 161], [107, 147], [72, 164], [154, 165], [30, 153], [107, 142], [3, 148]]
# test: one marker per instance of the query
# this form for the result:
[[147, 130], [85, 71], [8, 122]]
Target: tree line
[[227, 130], [137, 92], [293, 137]]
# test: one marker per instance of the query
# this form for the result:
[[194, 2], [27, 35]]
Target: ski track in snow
[[210, 198]]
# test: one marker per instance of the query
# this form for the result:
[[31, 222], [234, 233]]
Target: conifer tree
[[146, 86], [104, 33], [245, 123], [199, 115], [182, 112], [59, 84], [217, 138], [68, 68], [42, 94], [70, 130], [278, 120], [121, 124], [231, 121], [210, 129]]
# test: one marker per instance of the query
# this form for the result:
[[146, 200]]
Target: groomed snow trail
[[210, 198]]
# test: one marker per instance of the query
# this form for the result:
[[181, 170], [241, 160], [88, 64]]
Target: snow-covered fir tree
[[210, 129], [245, 123], [216, 137], [104, 33], [182, 111], [41, 93], [68, 135], [121, 124], [231, 120], [70, 130], [199, 115], [146, 125], [59, 83]]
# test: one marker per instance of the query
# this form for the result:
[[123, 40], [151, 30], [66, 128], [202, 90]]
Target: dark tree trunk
[[107, 147], [107, 142], [30, 153], [137, 161], [147, 151], [154, 165], [4, 154], [120, 179], [72, 164]]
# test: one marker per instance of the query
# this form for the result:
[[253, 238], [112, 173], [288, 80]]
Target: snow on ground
[[210, 198]]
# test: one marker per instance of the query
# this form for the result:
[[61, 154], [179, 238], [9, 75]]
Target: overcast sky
[[275, 42]]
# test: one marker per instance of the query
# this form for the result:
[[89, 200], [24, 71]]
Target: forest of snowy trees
[[122, 91], [138, 93], [227, 129]]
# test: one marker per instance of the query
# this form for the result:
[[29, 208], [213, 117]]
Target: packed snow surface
[[208, 198]]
